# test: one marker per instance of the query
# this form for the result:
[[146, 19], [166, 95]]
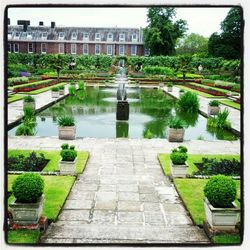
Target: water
[[150, 109]]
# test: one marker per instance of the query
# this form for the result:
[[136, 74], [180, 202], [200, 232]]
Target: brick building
[[23, 38]]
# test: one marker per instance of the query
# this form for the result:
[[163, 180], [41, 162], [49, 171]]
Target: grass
[[226, 239], [230, 103], [192, 159], [197, 92], [191, 192], [38, 91], [14, 98], [23, 236], [56, 191], [30, 84], [54, 157]]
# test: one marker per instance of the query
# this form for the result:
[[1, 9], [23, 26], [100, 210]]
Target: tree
[[162, 32], [228, 43], [192, 44], [57, 63]]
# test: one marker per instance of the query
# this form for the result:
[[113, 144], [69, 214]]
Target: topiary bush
[[68, 153], [28, 188], [220, 190], [29, 99], [189, 102], [179, 155]]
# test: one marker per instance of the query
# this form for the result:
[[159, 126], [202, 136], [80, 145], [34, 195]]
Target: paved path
[[234, 114], [123, 195]]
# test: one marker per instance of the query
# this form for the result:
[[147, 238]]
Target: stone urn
[[67, 167], [213, 110], [170, 89], [67, 132], [221, 218], [29, 105], [27, 213], [161, 84], [176, 135], [179, 171], [55, 94]]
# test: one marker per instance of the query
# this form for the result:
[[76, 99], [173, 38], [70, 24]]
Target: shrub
[[55, 89], [181, 91], [72, 83], [155, 70], [179, 155], [214, 103], [236, 87], [169, 85], [219, 120], [24, 130], [68, 153], [189, 102], [64, 121], [81, 85], [61, 87], [176, 123], [190, 76], [29, 98], [148, 134], [72, 90], [12, 81], [29, 163], [220, 190], [28, 187]]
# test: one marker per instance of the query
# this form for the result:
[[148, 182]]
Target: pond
[[94, 110]]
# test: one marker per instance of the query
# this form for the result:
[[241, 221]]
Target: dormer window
[[9, 35], [73, 36], [61, 35], [97, 36], [134, 37], [44, 35], [85, 36], [110, 37], [17, 35], [122, 37], [29, 35]]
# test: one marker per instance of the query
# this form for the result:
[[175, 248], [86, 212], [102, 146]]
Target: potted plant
[[61, 90], [176, 130], [55, 92], [181, 92], [178, 162], [29, 101], [66, 127], [170, 87], [27, 207], [67, 164], [213, 107], [221, 211]]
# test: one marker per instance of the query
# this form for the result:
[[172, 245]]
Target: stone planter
[[179, 170], [176, 135], [67, 133], [181, 94], [170, 89], [161, 85], [54, 94], [61, 92], [213, 110], [67, 167], [29, 105], [27, 213], [221, 218]]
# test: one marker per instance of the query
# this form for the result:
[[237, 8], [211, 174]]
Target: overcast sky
[[203, 21]]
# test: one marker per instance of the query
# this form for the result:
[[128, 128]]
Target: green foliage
[[214, 103], [162, 32], [190, 76], [156, 70], [64, 121], [148, 134], [176, 123], [179, 155], [170, 85], [68, 153], [55, 89], [28, 187], [219, 120], [81, 85], [29, 99], [24, 130], [189, 102], [13, 80], [220, 190], [61, 87], [72, 90]]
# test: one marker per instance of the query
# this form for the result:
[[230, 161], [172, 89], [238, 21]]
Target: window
[[97, 36], [97, 49], [85, 49], [121, 50], [134, 37], [17, 35], [73, 48], [29, 35], [30, 47], [122, 37], [73, 36], [9, 35], [61, 48], [44, 35], [85, 36], [146, 52], [110, 37], [15, 47], [9, 47], [61, 36], [43, 48], [133, 50], [110, 49]]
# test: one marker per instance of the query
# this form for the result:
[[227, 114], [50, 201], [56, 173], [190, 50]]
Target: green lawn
[[192, 159], [23, 236], [30, 83], [197, 92], [14, 98], [230, 104], [226, 239], [54, 157]]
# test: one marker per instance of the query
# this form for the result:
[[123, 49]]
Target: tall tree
[[162, 32], [228, 43]]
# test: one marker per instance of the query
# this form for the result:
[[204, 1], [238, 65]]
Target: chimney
[[25, 24], [53, 24], [40, 23], [8, 21]]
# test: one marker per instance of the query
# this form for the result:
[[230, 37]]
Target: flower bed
[[206, 90]]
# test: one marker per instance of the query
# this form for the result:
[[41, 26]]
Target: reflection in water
[[95, 113]]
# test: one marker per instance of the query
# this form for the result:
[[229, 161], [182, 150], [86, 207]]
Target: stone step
[[108, 233]]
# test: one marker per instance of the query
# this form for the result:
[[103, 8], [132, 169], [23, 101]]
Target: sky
[[203, 21]]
